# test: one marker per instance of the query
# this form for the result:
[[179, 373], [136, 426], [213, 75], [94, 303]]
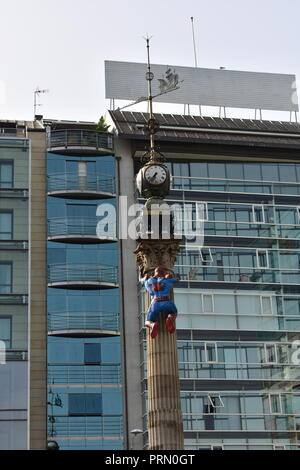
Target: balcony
[[13, 299], [108, 427], [75, 141], [77, 230], [83, 324], [228, 185], [97, 374], [73, 185], [82, 276]]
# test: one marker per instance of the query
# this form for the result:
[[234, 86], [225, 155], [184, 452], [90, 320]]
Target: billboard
[[200, 86]]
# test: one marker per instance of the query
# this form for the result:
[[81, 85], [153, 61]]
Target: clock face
[[156, 174]]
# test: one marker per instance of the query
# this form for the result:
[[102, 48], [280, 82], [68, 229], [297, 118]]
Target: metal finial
[[152, 123]]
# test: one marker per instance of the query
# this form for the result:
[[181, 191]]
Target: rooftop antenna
[[196, 64], [36, 93], [194, 43]]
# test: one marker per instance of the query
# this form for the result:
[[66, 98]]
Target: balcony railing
[[84, 375], [106, 321], [77, 227], [6, 299], [16, 355], [88, 275], [62, 140], [87, 426], [190, 183], [73, 182], [238, 275], [239, 422]]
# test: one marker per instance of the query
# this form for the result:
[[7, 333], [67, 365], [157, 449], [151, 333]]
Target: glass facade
[[14, 180], [85, 384], [239, 304]]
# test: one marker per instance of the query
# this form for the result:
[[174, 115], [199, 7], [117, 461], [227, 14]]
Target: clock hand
[[153, 177]]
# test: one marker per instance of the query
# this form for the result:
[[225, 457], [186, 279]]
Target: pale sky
[[61, 45]]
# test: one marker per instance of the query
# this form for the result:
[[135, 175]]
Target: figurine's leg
[[151, 322], [170, 322]]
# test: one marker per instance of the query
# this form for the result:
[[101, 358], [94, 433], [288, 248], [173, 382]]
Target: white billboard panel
[[199, 86]]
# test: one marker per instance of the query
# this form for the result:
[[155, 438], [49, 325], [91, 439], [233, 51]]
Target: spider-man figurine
[[159, 287]]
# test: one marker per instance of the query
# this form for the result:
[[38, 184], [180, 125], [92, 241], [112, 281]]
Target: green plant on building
[[102, 126]]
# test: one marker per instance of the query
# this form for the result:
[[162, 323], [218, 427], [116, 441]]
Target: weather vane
[[169, 82]]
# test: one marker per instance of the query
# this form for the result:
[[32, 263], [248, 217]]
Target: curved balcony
[[82, 276], [73, 185], [79, 141], [97, 374], [77, 230], [83, 324]]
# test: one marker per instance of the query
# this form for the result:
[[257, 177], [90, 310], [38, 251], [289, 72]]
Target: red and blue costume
[[159, 289]]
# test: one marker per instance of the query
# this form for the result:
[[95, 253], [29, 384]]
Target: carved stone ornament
[[153, 253]]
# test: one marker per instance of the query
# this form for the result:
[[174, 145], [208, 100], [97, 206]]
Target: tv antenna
[[37, 93]]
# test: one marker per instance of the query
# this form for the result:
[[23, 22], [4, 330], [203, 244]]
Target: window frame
[[266, 354], [84, 354], [262, 207], [206, 352], [84, 413], [266, 253], [280, 403], [270, 297], [8, 263], [10, 162], [11, 212], [212, 302], [9, 341]]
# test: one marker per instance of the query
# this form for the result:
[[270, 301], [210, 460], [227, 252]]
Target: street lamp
[[135, 432]]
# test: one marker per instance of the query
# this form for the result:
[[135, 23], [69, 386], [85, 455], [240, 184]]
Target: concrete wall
[[130, 322], [13, 404], [37, 404]]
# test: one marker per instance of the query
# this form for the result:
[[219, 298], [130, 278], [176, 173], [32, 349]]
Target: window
[[81, 210], [5, 278], [215, 401], [207, 303], [270, 353], [275, 403], [278, 447], [211, 352], [6, 225], [92, 353], [83, 404], [266, 305], [5, 331], [206, 256], [258, 214], [262, 258], [6, 174]]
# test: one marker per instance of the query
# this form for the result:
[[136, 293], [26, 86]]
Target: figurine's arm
[[142, 278]]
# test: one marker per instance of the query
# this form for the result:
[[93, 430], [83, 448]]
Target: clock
[[156, 174], [153, 180]]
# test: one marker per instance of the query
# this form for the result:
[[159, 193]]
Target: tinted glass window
[[5, 225], [81, 404], [252, 171], [6, 174], [92, 353], [5, 278]]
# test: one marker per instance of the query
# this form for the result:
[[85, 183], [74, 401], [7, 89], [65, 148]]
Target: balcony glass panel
[[75, 182], [75, 374], [80, 138], [83, 321], [75, 272], [76, 226]]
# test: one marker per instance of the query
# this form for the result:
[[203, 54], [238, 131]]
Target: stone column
[[165, 427]]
